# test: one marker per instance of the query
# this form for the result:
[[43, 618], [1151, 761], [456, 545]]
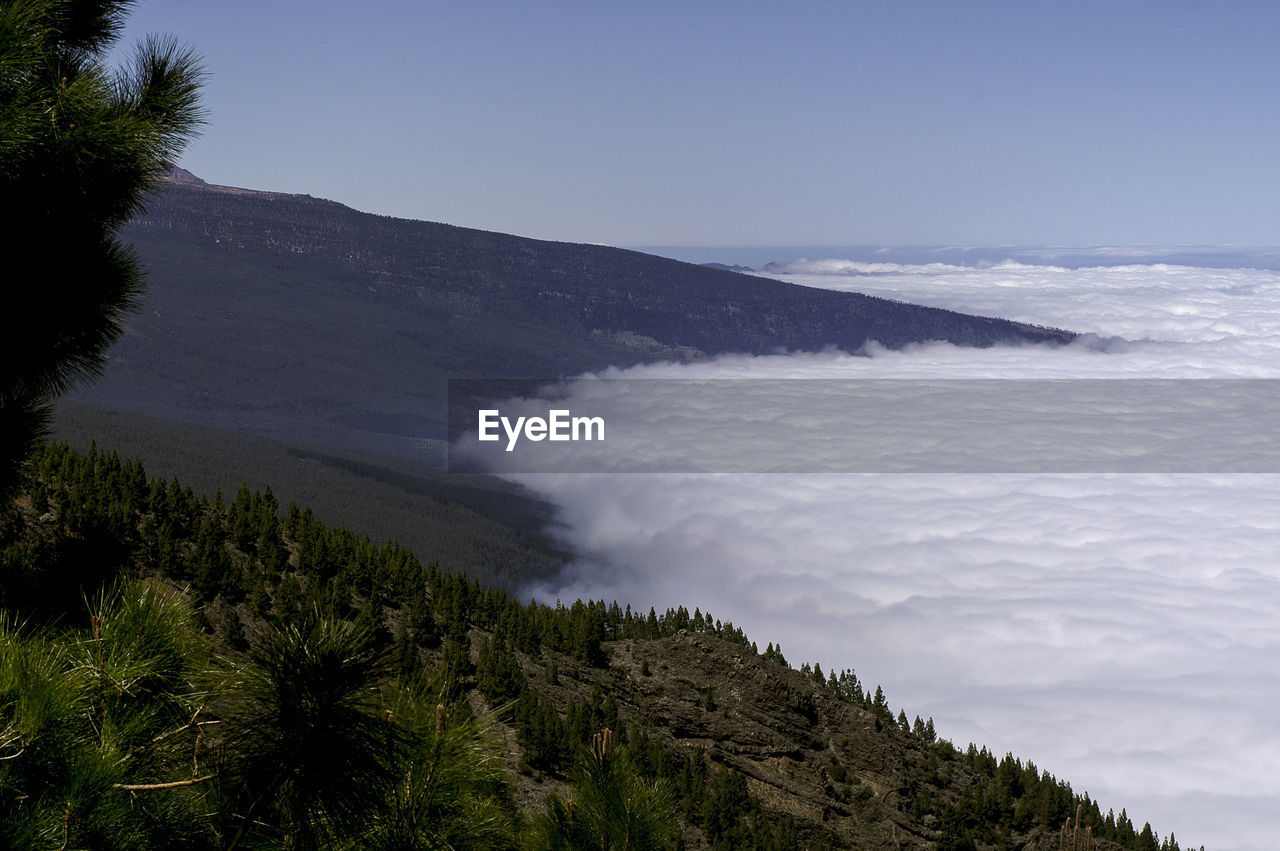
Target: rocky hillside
[[840, 773], [752, 752]]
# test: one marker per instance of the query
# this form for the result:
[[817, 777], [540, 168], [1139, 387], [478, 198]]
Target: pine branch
[[146, 787]]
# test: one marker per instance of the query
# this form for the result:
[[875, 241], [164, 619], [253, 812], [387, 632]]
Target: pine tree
[[313, 759], [451, 788], [80, 147], [880, 705], [608, 807], [100, 729]]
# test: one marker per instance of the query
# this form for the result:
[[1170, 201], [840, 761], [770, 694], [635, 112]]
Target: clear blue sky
[[741, 123]]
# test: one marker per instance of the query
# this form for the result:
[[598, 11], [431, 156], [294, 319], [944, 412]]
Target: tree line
[[199, 599]]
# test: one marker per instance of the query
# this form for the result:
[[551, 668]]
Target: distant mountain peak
[[181, 175], [727, 268]]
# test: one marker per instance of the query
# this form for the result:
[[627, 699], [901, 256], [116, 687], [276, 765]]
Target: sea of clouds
[[1120, 630]]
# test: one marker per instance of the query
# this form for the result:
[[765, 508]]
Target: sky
[[738, 124]]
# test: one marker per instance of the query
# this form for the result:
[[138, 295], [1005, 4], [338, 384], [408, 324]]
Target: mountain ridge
[[299, 318]]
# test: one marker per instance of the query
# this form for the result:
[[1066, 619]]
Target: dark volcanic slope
[[301, 318]]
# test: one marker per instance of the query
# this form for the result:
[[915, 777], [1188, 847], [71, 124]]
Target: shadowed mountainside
[[302, 319]]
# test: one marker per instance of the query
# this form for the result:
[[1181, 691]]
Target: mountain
[[728, 268], [159, 588], [296, 318], [493, 530], [299, 318]]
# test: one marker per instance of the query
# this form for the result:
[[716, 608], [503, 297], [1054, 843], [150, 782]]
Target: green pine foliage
[[452, 786], [178, 671], [128, 733], [310, 752], [608, 806], [80, 147], [92, 717]]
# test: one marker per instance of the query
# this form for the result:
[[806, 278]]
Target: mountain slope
[[295, 317], [492, 530], [759, 755]]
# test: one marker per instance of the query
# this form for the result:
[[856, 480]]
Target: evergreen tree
[[451, 788], [99, 729], [124, 725], [314, 759], [80, 146], [727, 800], [608, 807]]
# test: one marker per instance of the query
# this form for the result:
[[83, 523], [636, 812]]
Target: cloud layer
[[869, 425], [1119, 630]]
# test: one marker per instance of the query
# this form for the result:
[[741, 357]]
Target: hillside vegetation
[[184, 671], [489, 529]]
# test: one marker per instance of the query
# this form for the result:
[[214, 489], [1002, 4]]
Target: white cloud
[[781, 425], [1118, 630]]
